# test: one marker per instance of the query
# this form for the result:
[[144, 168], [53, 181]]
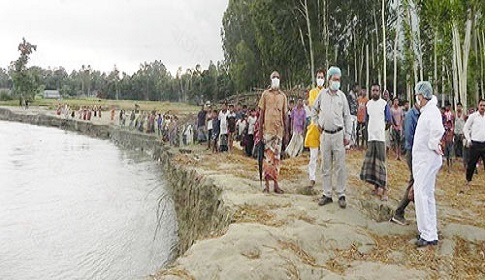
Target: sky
[[105, 33]]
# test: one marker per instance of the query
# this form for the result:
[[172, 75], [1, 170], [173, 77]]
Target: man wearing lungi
[[378, 120], [273, 107]]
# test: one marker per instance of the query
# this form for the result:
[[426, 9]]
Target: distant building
[[52, 94]]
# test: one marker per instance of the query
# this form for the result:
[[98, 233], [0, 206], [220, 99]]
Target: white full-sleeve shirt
[[474, 129]]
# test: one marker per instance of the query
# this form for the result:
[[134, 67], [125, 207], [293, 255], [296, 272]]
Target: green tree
[[24, 80]]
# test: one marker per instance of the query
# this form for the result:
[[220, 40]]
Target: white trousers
[[353, 136], [424, 200], [312, 165]]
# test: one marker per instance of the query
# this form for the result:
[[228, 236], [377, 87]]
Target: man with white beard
[[427, 161]]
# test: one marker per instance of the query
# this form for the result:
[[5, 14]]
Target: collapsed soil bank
[[199, 208]]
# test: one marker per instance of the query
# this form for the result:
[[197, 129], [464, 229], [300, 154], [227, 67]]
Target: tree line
[[152, 81], [393, 42]]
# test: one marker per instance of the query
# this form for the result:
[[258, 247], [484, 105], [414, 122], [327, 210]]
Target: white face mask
[[417, 100], [320, 82], [335, 85], [275, 83]]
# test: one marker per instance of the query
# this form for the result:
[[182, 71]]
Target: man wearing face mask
[[426, 162], [332, 115], [273, 106], [312, 138]]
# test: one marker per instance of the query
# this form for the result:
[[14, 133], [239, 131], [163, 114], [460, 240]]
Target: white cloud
[[102, 33]]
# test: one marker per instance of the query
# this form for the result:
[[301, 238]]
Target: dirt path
[[290, 237]]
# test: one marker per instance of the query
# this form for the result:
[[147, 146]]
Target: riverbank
[[231, 230]]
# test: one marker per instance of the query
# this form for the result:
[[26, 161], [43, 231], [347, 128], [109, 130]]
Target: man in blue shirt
[[410, 122]]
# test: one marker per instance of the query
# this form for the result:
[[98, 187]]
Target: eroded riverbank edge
[[228, 229]]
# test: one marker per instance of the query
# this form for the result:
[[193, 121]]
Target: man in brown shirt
[[273, 106]]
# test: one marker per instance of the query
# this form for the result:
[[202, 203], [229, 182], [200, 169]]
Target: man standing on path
[[352, 100], [361, 133], [295, 147], [331, 114], [223, 130], [459, 125], [273, 107], [397, 122], [410, 122], [427, 161], [374, 170], [474, 132], [312, 138], [201, 119]]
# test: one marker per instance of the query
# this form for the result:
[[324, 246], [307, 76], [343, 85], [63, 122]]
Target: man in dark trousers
[[474, 132], [410, 122]]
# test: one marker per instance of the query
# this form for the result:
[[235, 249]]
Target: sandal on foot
[[266, 190], [312, 184], [279, 191]]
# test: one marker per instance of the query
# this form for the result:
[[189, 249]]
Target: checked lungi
[[374, 168]]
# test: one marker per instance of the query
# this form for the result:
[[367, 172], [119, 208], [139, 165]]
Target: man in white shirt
[[374, 169], [474, 132], [224, 129]]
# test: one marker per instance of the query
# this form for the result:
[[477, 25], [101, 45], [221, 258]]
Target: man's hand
[[286, 138], [320, 129], [439, 151], [346, 142]]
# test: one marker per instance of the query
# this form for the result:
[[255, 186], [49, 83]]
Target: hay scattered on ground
[[298, 251], [469, 259], [257, 214], [181, 273]]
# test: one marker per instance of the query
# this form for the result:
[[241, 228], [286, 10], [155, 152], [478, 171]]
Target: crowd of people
[[327, 122], [335, 121]]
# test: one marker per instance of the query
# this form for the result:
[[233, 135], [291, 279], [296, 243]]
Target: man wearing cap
[[312, 138], [426, 162], [474, 132], [273, 106], [332, 115]]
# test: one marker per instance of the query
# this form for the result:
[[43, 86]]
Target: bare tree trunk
[[325, 32], [456, 89], [355, 58], [435, 58], [367, 83], [304, 5], [384, 56], [396, 41], [415, 36], [481, 64], [462, 57], [443, 88], [361, 64], [408, 89]]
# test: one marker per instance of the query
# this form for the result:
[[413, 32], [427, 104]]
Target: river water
[[74, 207]]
